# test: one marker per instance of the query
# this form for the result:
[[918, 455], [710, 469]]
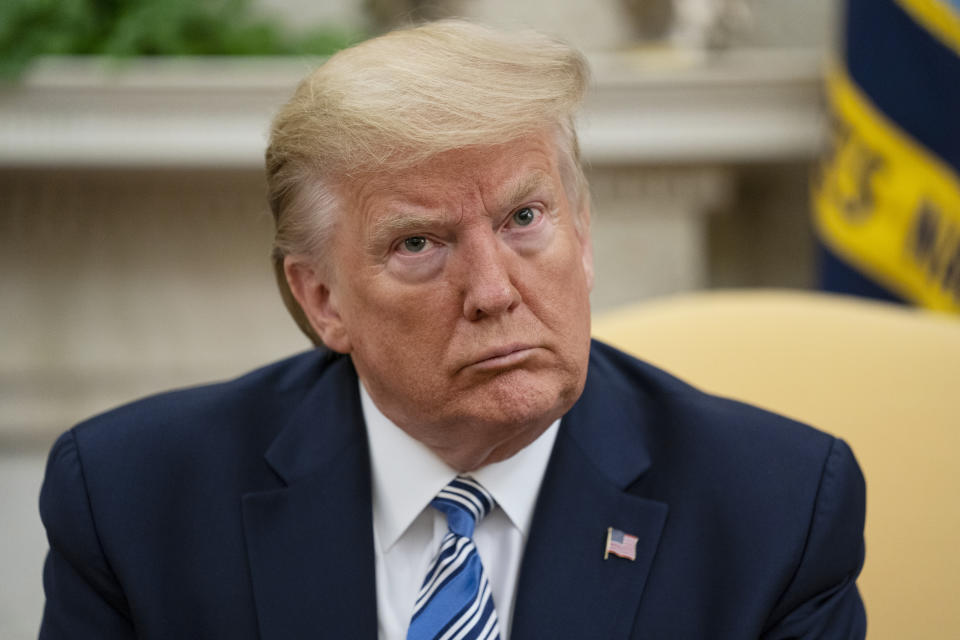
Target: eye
[[524, 216], [415, 244]]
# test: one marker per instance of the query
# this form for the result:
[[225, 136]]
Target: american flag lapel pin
[[620, 544]]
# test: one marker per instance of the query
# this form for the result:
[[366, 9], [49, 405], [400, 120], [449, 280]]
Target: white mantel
[[645, 107]]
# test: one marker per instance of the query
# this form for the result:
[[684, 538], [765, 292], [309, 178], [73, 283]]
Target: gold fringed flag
[[887, 197]]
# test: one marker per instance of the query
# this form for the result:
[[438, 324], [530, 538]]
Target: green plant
[[125, 28]]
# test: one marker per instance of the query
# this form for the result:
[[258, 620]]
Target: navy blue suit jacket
[[243, 510]]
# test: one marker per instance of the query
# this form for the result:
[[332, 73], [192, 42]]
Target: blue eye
[[524, 217], [415, 244]]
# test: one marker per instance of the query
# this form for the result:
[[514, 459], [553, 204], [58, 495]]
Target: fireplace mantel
[[645, 107]]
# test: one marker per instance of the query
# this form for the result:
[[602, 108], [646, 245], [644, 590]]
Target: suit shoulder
[[718, 456], [195, 416], [679, 420], [773, 506]]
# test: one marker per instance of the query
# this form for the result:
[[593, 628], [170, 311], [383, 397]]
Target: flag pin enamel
[[620, 544]]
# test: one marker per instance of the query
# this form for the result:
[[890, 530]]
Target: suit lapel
[[566, 588], [310, 542]]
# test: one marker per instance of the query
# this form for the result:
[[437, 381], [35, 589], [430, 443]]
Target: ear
[[318, 301]]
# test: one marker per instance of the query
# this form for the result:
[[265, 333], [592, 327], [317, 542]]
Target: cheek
[[395, 317], [562, 290], [564, 266]]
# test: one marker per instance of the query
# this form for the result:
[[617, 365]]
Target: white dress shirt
[[407, 531]]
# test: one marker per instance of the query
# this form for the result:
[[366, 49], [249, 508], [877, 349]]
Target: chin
[[519, 402], [516, 421]]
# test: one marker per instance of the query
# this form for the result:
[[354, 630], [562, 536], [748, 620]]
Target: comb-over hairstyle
[[394, 101]]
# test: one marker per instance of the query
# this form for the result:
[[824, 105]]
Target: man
[[457, 459]]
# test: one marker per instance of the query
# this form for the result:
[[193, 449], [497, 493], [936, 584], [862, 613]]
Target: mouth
[[501, 357]]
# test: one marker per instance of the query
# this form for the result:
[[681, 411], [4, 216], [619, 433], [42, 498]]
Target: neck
[[464, 460]]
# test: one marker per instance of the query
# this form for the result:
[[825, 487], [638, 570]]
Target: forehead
[[501, 172]]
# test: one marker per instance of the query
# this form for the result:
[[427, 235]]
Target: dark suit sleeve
[[84, 598], [822, 600]]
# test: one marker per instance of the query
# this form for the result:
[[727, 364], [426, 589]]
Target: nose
[[488, 287]]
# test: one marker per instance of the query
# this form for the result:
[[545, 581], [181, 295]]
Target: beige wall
[[119, 283]]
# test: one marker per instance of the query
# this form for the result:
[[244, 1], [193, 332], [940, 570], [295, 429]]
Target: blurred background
[[134, 235]]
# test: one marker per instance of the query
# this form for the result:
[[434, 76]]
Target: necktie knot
[[465, 502]]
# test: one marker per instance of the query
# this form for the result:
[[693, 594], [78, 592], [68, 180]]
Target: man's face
[[460, 288]]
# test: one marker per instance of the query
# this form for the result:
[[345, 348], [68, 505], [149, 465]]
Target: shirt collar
[[407, 475]]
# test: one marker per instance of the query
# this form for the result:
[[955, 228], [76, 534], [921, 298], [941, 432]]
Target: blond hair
[[394, 101]]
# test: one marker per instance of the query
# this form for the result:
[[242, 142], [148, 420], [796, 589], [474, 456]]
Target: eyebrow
[[402, 224], [397, 224], [526, 186]]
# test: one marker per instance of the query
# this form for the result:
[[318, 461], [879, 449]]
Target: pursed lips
[[500, 357]]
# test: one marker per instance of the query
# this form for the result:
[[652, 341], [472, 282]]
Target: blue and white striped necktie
[[455, 601]]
